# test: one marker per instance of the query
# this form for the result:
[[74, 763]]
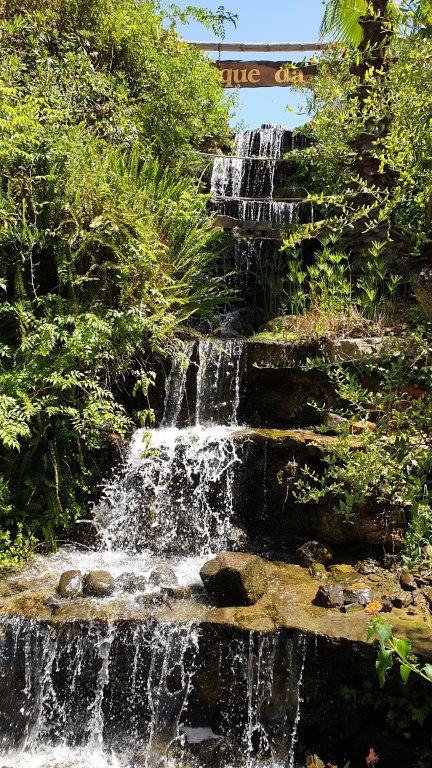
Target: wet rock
[[70, 584], [213, 752], [368, 566], [235, 578], [313, 552], [179, 593], [407, 581], [318, 571], [330, 596], [52, 603], [99, 584], [153, 598], [358, 594], [163, 576], [334, 424], [131, 582]]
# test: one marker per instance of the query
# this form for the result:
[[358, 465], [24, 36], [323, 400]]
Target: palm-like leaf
[[341, 20]]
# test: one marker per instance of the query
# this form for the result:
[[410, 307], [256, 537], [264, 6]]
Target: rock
[[423, 291], [70, 584], [427, 592], [407, 581], [401, 599], [354, 349], [99, 584], [330, 596], [131, 582], [179, 593], [52, 603], [366, 567], [318, 571], [163, 576], [334, 424], [235, 578], [342, 572], [358, 594], [153, 598], [313, 552]]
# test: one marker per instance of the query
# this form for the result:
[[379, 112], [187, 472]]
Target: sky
[[264, 21]]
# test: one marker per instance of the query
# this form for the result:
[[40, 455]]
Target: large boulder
[[235, 578], [70, 584], [99, 584]]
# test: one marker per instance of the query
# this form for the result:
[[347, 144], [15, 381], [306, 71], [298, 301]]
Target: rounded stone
[[99, 584], [313, 552], [330, 596], [70, 584], [163, 576], [131, 582], [358, 595]]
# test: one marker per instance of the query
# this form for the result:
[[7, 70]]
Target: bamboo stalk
[[268, 47]]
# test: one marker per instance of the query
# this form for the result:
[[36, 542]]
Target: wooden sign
[[264, 74]]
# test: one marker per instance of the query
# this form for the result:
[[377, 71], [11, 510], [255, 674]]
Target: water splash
[[175, 494]]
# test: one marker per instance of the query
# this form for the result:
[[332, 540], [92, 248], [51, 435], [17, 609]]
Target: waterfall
[[142, 686], [174, 494]]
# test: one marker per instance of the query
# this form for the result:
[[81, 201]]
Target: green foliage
[[395, 113], [392, 465], [392, 648], [106, 246]]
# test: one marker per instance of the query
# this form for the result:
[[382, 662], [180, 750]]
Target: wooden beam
[[267, 47]]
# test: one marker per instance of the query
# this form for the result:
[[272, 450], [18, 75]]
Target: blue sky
[[264, 21]]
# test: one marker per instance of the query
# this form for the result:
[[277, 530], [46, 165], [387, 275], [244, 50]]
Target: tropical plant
[[106, 245], [391, 648]]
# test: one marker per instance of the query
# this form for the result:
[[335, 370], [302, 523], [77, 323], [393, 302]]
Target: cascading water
[[147, 692], [243, 190]]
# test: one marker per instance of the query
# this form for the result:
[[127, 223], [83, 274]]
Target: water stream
[[131, 693]]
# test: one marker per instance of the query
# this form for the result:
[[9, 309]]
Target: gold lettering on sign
[[289, 75], [254, 76], [226, 77]]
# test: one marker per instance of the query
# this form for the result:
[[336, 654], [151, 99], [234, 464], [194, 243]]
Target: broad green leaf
[[405, 673], [402, 647]]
